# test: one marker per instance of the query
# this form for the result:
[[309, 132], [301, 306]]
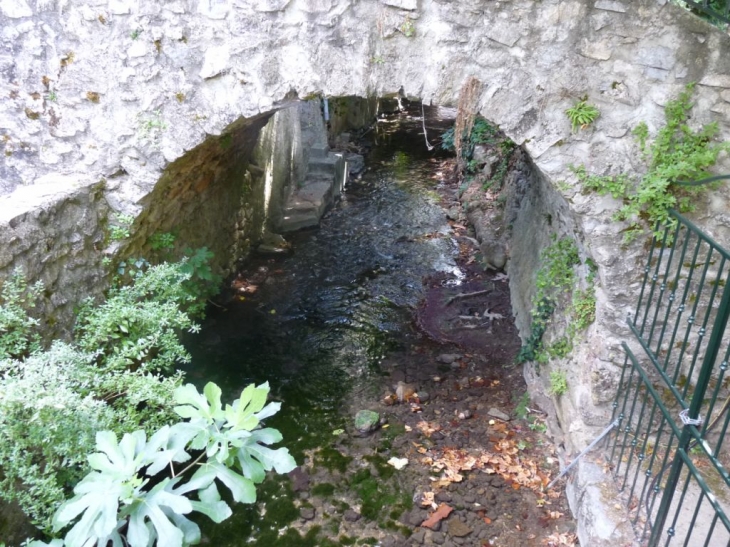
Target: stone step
[[319, 151], [323, 166], [307, 204]]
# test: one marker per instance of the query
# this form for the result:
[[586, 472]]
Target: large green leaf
[[242, 414], [242, 489], [149, 520], [196, 406]]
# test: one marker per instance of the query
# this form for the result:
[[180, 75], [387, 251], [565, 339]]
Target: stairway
[[325, 180]]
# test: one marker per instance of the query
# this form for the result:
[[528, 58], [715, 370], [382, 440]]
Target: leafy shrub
[[140, 489], [17, 336], [482, 133], [51, 406], [555, 276], [558, 383], [677, 154], [138, 324], [581, 114]]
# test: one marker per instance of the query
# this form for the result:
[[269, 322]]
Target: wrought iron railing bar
[[672, 530], [615, 404], [681, 308], [642, 451], [718, 330], [634, 442], [698, 441], [667, 416], [705, 321], [649, 385], [711, 531], [702, 235], [696, 513], [657, 303], [716, 453], [657, 442], [719, 511], [660, 371], [647, 269], [656, 488], [622, 417], [654, 279], [708, 11], [716, 392], [675, 284]]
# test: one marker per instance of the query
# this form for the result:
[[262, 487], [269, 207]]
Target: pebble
[[419, 536], [438, 538], [443, 497], [458, 529], [307, 513], [465, 414], [448, 358], [351, 516], [496, 413]]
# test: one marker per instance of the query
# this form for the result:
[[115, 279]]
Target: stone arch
[[124, 91]]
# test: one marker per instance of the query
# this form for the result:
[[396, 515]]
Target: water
[[322, 319]]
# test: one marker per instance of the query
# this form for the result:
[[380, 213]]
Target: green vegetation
[[18, 336], [555, 285], [323, 489], [407, 28], [581, 114], [120, 229], [116, 380], [141, 489], [332, 459], [380, 499], [558, 383], [486, 134], [676, 154]]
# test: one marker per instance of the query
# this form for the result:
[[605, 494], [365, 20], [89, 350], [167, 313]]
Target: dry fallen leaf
[[441, 513], [427, 500]]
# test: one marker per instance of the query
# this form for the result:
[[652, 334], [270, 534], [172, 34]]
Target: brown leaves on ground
[[556, 539], [428, 428], [507, 462]]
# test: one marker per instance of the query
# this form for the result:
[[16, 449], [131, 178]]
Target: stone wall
[[122, 90]]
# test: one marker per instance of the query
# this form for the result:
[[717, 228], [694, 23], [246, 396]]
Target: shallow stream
[[317, 323]]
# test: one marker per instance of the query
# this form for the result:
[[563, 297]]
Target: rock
[[443, 496], [367, 421], [438, 538], [496, 413], [458, 529], [448, 358], [273, 244], [355, 162], [299, 479], [419, 536], [405, 392], [307, 513], [465, 414], [423, 396], [415, 517], [351, 516]]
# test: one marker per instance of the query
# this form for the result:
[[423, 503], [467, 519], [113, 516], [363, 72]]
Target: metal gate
[[667, 451]]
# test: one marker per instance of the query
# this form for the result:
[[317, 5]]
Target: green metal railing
[[667, 452], [714, 10]]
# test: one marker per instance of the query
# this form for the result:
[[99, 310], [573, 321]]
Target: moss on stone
[[324, 489], [332, 459]]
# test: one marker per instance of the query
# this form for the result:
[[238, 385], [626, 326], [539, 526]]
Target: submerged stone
[[367, 421]]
